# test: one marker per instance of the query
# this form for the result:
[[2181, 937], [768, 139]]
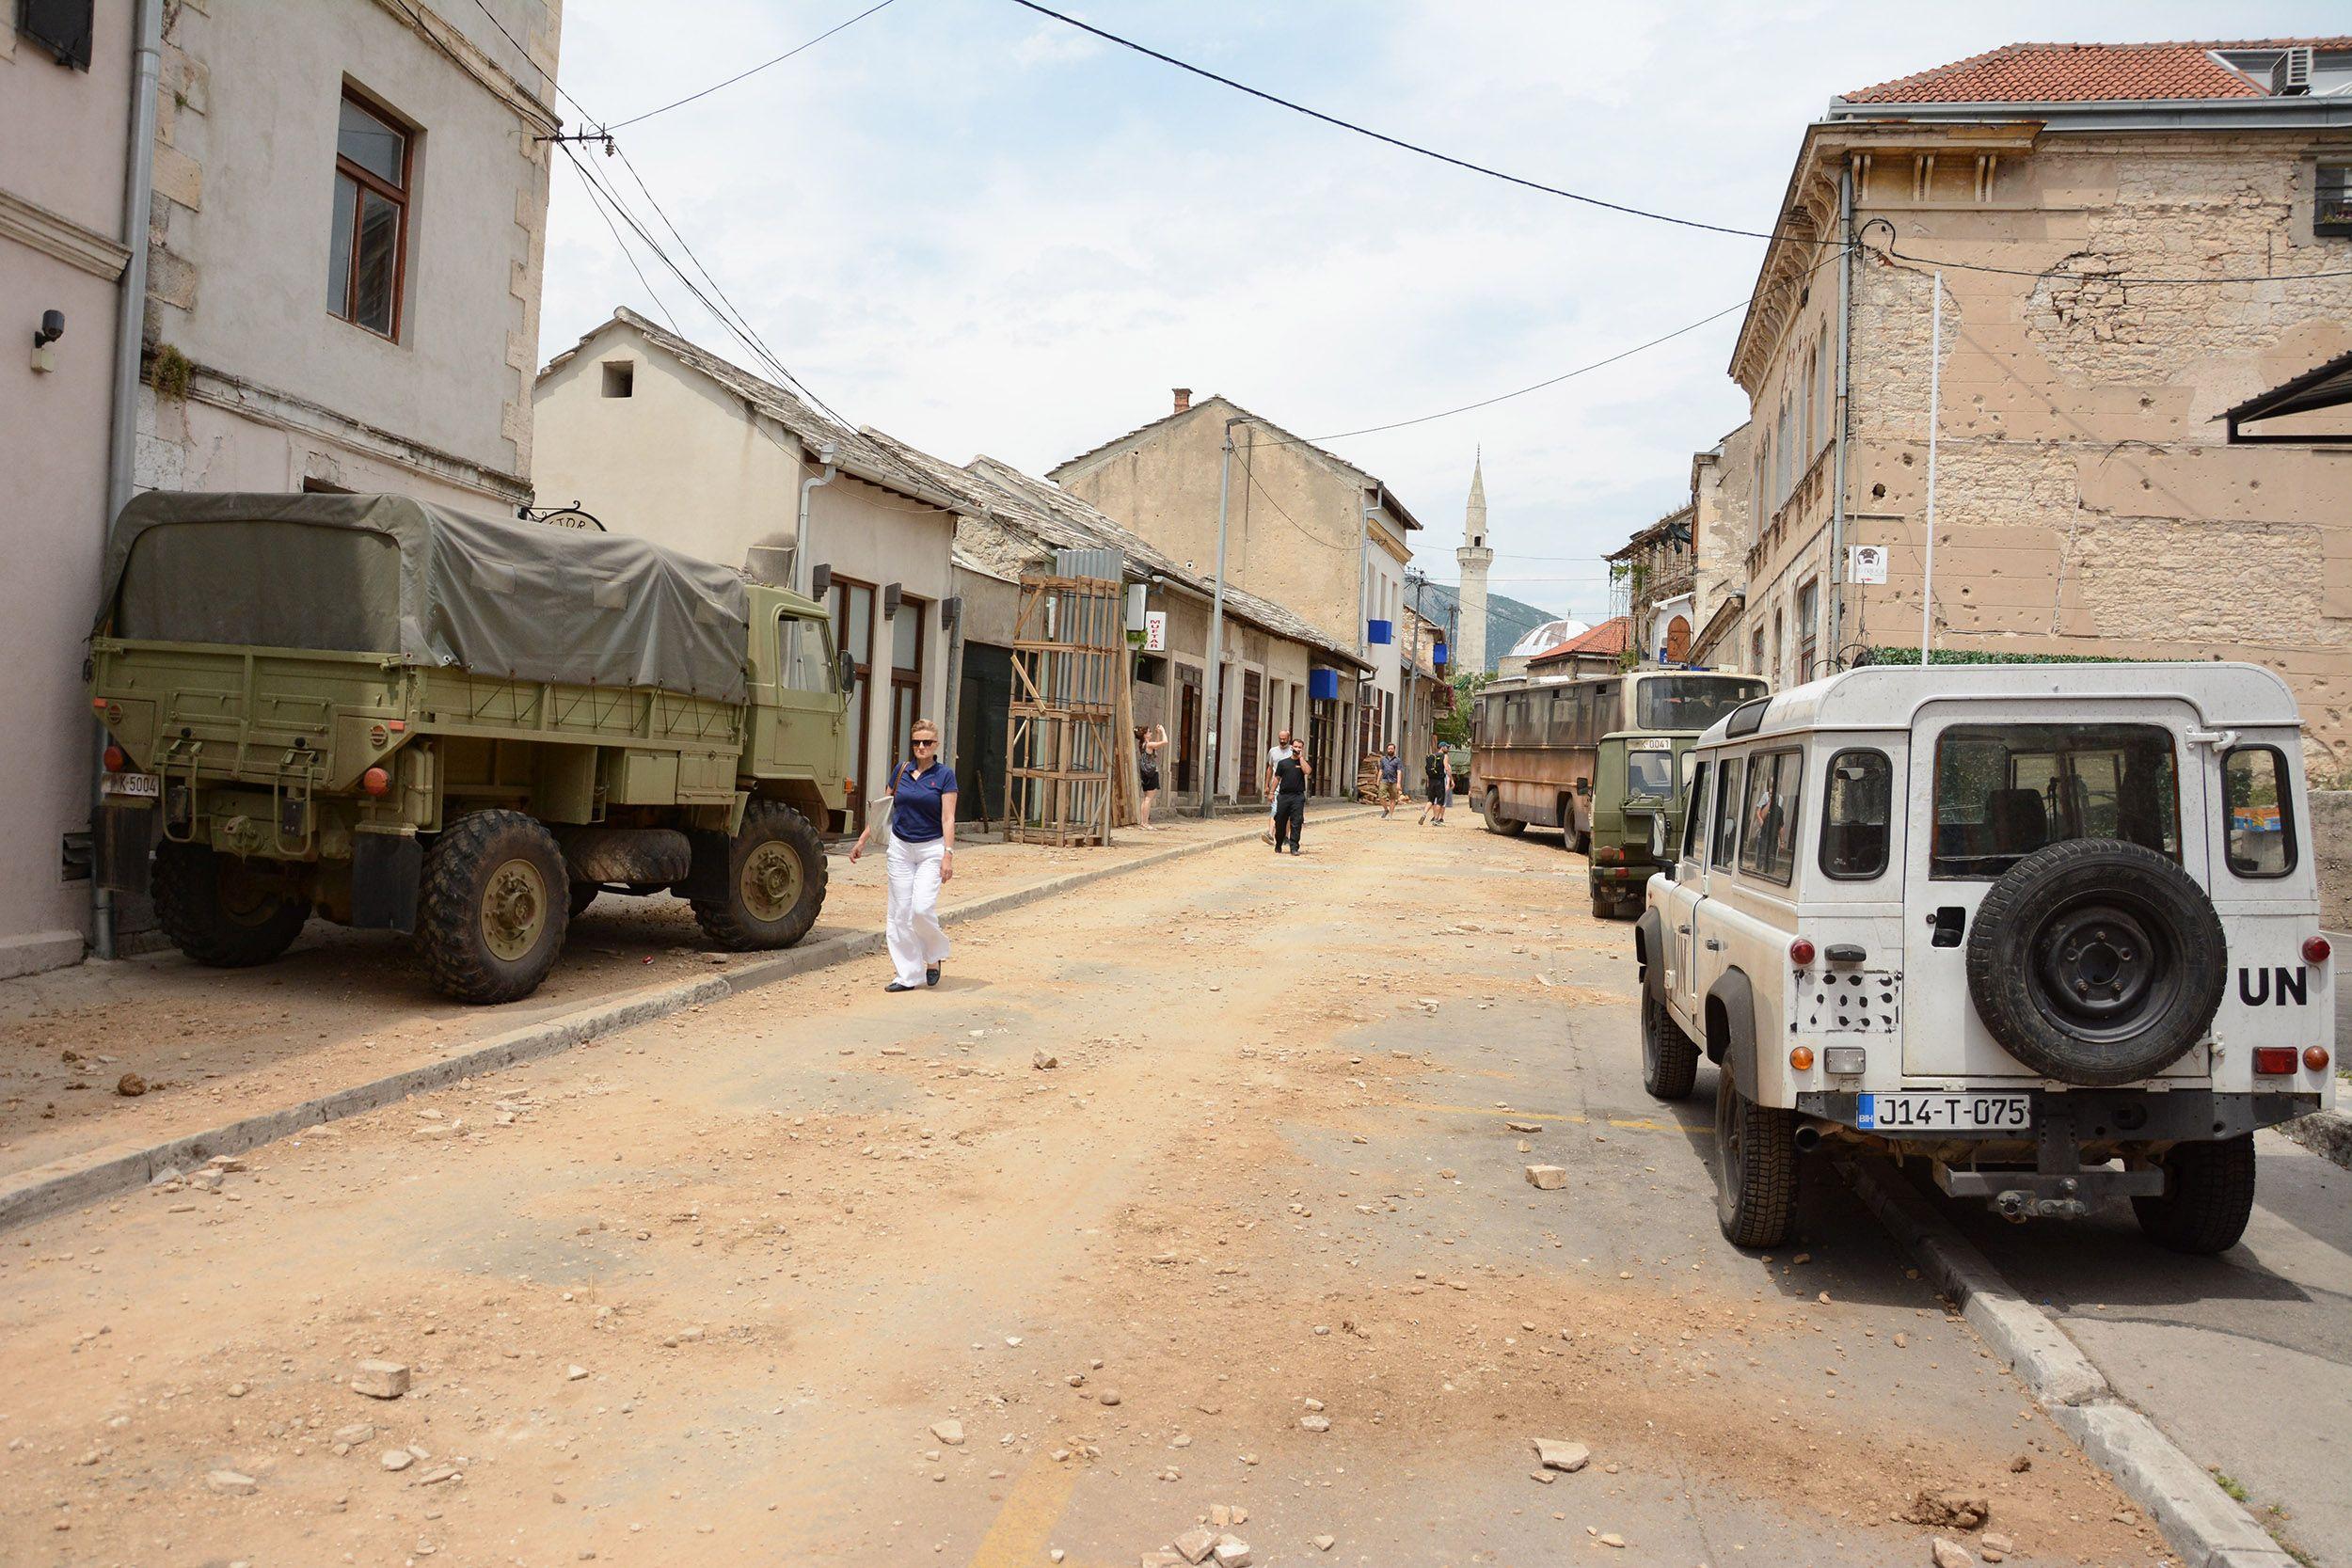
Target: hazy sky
[[979, 230]]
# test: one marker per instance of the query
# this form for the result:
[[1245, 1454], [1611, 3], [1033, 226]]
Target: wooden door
[[1253, 752]]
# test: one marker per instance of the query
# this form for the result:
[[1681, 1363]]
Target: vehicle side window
[[808, 655], [1727, 812], [1854, 812], [2258, 806], [1694, 818], [1768, 838]]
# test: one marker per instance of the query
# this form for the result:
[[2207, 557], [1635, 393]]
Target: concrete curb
[[2201, 1521], [68, 1183], [2326, 1133]]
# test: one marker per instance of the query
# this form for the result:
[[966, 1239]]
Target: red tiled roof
[[2082, 73], [1608, 640]]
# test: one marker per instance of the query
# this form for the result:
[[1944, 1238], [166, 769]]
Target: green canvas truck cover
[[390, 575]]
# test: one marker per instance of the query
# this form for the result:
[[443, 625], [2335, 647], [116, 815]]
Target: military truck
[[1637, 815], [400, 717]]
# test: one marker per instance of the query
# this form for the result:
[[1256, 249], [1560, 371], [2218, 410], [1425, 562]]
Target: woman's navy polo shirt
[[915, 816]]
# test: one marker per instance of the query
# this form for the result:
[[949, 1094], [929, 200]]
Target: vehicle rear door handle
[[1714, 947], [1682, 930]]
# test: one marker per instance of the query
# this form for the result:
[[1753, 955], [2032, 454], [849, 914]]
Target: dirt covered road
[[1195, 1198]]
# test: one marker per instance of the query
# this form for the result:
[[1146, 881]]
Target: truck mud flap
[[707, 880], [386, 871], [122, 847]]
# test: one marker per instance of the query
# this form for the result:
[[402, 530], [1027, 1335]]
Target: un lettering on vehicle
[[2274, 986]]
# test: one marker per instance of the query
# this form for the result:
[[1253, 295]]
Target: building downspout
[[1844, 415], [138, 193], [804, 558]]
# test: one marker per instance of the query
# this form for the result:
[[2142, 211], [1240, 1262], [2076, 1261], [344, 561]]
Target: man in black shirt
[[1290, 800]]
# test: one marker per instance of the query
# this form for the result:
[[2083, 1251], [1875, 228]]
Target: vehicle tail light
[[1800, 1056], [2273, 1060], [2316, 950], [2316, 1057], [375, 780], [1846, 1059], [117, 759], [1801, 952]]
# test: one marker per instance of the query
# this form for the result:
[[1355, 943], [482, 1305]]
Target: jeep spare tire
[[2096, 962]]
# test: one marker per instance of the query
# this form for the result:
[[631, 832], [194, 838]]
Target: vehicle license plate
[[146, 786], [1944, 1112]]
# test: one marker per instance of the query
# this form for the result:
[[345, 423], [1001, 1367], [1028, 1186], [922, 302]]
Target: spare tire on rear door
[[2096, 962]]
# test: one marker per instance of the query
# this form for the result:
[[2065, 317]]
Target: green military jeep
[[1637, 815], [465, 728]]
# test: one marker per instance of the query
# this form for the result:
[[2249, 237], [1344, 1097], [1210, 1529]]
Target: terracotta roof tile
[[2083, 73], [1608, 640]]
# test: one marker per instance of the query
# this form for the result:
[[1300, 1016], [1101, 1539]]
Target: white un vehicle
[[2053, 929]]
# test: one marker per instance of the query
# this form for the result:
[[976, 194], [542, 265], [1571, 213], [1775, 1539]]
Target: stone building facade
[[2096, 213], [1305, 529], [345, 247]]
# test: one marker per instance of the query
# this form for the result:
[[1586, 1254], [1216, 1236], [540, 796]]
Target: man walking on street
[[1282, 747], [1290, 800], [1437, 775], [1391, 775]]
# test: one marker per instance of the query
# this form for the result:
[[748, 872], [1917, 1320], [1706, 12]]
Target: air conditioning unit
[[2291, 77]]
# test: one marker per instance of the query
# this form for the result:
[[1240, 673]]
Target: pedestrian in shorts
[[1290, 801], [1283, 747], [1392, 779], [1437, 772]]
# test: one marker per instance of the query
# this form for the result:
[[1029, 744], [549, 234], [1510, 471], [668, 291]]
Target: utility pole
[[1935, 392], [1212, 711]]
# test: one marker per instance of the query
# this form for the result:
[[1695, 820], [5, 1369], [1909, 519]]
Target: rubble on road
[[380, 1380], [233, 1483], [1548, 1176], [1949, 1510], [949, 1433], [1949, 1554], [1553, 1453]]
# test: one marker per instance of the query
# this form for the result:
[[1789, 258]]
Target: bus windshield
[[1692, 702]]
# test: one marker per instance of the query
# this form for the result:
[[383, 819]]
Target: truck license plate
[[1944, 1112], [144, 786]]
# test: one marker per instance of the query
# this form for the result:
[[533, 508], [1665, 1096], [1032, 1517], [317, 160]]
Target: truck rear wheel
[[776, 883], [1498, 823], [1755, 1167], [1670, 1062], [225, 910], [495, 905], [2208, 1196]]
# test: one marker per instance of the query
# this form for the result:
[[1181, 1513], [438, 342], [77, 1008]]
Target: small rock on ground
[[1947, 1554]]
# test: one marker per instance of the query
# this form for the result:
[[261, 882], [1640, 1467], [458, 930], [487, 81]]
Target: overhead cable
[[754, 71], [1627, 209]]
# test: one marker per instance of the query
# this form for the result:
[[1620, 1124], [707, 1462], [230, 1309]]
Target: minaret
[[1469, 659]]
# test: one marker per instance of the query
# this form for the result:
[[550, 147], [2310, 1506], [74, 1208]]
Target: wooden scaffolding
[[1065, 748]]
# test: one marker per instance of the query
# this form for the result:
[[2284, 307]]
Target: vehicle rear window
[[1855, 810], [1768, 836], [2259, 822], [2003, 791], [1650, 773], [1691, 702]]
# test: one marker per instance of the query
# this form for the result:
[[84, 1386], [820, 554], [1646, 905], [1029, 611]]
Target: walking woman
[[1148, 744], [921, 855], [1437, 778]]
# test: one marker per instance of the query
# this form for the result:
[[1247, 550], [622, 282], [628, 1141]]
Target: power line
[[1393, 141], [1522, 181], [595, 199], [754, 71]]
